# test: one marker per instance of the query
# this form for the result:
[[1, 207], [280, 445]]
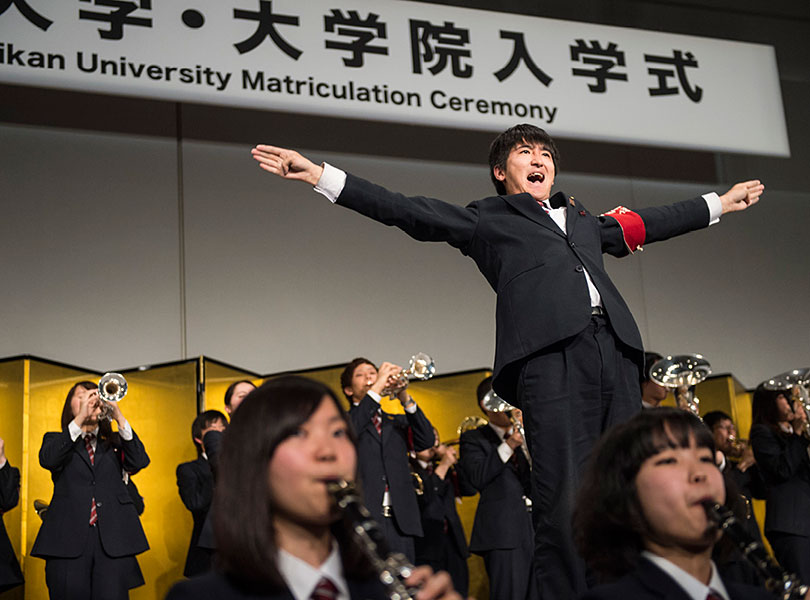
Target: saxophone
[[392, 567], [784, 585]]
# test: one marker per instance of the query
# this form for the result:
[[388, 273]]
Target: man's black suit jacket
[[216, 586], [785, 465], [535, 269], [648, 582], [195, 482], [497, 525], [76, 482], [437, 505], [383, 459], [10, 574]]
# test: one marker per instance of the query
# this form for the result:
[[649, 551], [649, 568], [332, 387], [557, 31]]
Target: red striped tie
[[88, 439], [325, 590], [377, 420], [712, 596]]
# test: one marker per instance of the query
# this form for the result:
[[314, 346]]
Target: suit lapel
[[658, 582], [81, 450], [529, 207], [571, 214]]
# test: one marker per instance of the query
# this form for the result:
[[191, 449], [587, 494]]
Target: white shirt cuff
[[410, 408], [374, 396], [331, 182], [125, 431], [715, 207], [74, 430], [505, 451]]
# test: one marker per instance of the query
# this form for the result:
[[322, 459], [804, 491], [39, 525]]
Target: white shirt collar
[[301, 577], [697, 590], [499, 430]]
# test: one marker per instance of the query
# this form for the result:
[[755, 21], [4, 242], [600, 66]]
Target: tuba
[[112, 387], [681, 374]]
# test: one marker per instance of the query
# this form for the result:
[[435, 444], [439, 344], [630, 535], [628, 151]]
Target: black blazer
[[785, 465], [76, 482], [498, 524], [10, 574], [437, 506], [216, 586], [384, 459], [535, 269], [648, 582], [195, 481]]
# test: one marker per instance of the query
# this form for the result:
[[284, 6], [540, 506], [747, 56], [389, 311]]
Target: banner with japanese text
[[392, 60]]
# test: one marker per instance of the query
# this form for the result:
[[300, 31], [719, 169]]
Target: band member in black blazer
[[383, 455], [493, 463], [10, 574], [195, 482], [278, 533], [91, 532], [567, 350], [443, 544], [778, 437], [640, 519]]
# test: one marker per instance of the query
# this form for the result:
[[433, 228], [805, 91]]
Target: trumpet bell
[[470, 423], [421, 367], [112, 387], [493, 402], [682, 370]]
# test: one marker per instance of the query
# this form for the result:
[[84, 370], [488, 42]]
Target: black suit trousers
[[570, 393]]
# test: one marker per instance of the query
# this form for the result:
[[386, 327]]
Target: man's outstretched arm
[[288, 164], [742, 195]]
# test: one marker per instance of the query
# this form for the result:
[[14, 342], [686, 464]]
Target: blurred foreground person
[[640, 520], [278, 532]]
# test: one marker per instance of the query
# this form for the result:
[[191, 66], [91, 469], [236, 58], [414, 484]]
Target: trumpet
[[421, 367], [112, 387], [467, 424], [494, 403], [681, 374]]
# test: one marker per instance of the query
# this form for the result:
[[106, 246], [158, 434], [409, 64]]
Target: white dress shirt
[[697, 590], [301, 577]]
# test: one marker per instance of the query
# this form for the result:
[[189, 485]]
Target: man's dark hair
[[104, 427], [232, 387], [609, 525], [481, 391], [764, 408], [348, 373], [714, 417], [503, 144], [246, 540], [650, 358], [203, 421]]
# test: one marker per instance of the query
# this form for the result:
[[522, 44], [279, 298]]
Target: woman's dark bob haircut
[[503, 144], [764, 408], [609, 526], [243, 504], [104, 427]]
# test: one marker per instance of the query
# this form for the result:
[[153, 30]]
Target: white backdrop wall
[[112, 256]]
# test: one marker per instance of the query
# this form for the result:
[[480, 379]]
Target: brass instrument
[[467, 424], [392, 567], [797, 382], [681, 374], [112, 387], [783, 585], [421, 367], [494, 403]]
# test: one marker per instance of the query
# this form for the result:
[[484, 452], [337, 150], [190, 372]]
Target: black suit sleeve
[[779, 460], [480, 462], [9, 487], [424, 219], [135, 456], [212, 442], [56, 450], [423, 436], [196, 491], [660, 223]]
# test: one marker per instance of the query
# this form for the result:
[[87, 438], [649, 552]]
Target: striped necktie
[[88, 443], [325, 590]]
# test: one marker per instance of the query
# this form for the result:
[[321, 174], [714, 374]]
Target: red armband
[[632, 226]]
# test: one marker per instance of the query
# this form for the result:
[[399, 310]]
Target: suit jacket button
[[572, 244], [579, 268], [98, 504]]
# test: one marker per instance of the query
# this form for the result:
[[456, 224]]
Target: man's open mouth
[[536, 177]]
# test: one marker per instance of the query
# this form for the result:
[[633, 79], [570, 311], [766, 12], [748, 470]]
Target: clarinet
[[392, 567], [784, 585]]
